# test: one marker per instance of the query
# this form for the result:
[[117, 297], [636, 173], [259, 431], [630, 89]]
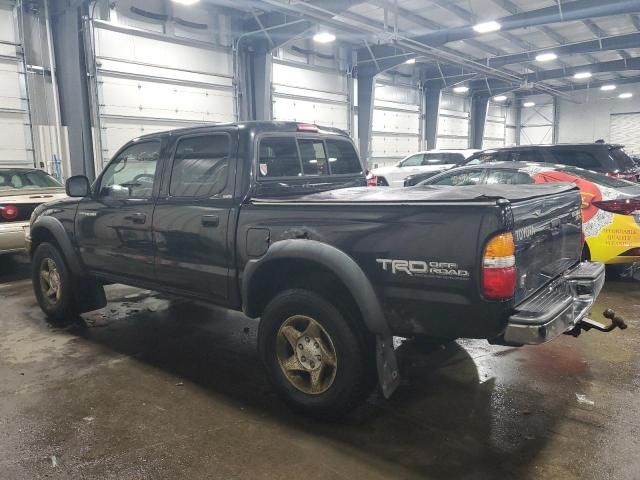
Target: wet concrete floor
[[155, 389]]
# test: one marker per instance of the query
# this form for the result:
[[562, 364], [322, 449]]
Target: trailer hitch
[[587, 324]]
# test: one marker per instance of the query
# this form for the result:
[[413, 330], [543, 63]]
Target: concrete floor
[[154, 389]]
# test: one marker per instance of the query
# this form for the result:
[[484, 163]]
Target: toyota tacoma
[[275, 219]]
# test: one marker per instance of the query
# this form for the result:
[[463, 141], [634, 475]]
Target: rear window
[[508, 177], [343, 158], [279, 157], [598, 178], [486, 157], [16, 179], [576, 158], [291, 157], [621, 158], [534, 156]]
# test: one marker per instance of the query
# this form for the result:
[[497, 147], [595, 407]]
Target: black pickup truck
[[274, 219]]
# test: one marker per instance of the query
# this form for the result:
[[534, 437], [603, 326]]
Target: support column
[[366, 97], [255, 97], [477, 120], [431, 114], [73, 89]]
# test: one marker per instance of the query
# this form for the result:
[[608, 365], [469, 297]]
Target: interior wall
[[589, 119]]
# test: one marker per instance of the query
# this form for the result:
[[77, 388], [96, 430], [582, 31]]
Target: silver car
[[21, 191]]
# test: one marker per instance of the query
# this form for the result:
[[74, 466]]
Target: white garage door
[[536, 124], [149, 81], [625, 129], [15, 129], [495, 127], [396, 123], [310, 94], [453, 122]]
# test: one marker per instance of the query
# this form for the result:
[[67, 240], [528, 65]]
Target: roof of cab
[[258, 126]]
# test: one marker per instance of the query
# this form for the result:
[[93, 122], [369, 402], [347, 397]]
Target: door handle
[[139, 218], [210, 220]]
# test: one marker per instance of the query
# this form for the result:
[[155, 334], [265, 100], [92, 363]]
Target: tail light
[[499, 267], [623, 206], [372, 181], [307, 127], [9, 212]]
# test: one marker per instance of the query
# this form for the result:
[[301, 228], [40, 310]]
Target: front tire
[[53, 284], [320, 363]]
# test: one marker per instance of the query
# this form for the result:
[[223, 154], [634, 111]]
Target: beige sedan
[[21, 191]]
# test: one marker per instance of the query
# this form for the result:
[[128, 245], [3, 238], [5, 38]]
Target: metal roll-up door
[[625, 129], [310, 94], [495, 127], [453, 122], [396, 123], [150, 80], [536, 123], [16, 147]]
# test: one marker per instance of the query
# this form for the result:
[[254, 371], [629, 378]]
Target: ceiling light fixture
[[500, 98], [324, 37], [186, 2], [546, 57], [625, 95], [581, 75], [529, 104], [486, 27], [607, 88], [411, 61], [461, 89]]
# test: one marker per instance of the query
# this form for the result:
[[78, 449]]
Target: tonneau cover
[[428, 193]]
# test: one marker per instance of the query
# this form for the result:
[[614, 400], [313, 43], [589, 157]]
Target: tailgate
[[548, 239]]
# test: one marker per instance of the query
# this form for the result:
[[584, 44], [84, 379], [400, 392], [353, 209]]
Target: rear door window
[[343, 158], [279, 158], [200, 166], [314, 158], [437, 159], [576, 158]]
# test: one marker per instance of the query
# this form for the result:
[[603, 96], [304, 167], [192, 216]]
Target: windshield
[[598, 178], [12, 179], [621, 158]]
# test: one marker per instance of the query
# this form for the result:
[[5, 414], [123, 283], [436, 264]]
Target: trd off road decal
[[421, 268]]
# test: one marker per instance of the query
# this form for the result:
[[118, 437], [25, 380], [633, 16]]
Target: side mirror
[[77, 186]]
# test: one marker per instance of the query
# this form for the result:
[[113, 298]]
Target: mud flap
[[89, 294], [388, 373]]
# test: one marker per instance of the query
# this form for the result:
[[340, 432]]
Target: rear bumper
[[557, 308], [12, 236]]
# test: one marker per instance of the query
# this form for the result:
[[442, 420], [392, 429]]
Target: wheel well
[[283, 274], [41, 235]]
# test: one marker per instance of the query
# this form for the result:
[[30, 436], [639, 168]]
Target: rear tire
[[53, 284], [615, 272], [319, 363]]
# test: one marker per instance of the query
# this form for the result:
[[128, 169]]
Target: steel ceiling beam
[[575, 10]]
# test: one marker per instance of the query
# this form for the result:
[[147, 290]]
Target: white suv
[[435, 161]]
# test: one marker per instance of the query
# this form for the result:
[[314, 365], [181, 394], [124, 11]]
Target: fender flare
[[55, 228], [336, 261]]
